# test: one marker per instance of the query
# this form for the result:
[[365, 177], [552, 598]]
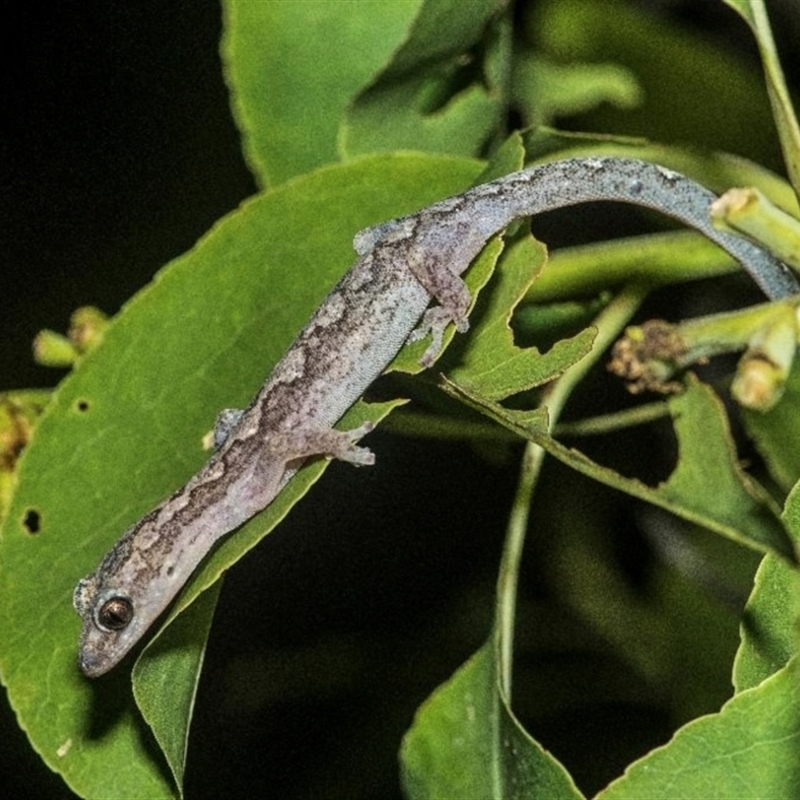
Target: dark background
[[118, 151]]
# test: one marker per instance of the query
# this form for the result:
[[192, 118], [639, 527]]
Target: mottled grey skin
[[351, 338]]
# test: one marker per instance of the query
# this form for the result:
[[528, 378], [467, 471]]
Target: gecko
[[380, 303]]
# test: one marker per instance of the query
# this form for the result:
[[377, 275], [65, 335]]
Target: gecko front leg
[[284, 452], [289, 446], [302, 443]]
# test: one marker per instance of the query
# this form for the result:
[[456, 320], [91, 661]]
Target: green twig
[[748, 211], [655, 259], [610, 423], [609, 323], [650, 355]]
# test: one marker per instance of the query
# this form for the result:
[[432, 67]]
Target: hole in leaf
[[32, 521], [82, 405]]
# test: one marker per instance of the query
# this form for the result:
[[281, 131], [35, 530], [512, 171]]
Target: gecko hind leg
[[453, 298], [434, 322]]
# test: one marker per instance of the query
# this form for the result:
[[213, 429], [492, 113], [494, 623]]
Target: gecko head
[[107, 617], [113, 622]]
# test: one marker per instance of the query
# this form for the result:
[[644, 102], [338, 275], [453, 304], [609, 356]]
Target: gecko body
[[347, 343]]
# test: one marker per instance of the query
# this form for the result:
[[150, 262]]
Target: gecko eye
[[115, 614]]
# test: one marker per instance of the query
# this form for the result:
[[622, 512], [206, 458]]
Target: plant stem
[[609, 323]]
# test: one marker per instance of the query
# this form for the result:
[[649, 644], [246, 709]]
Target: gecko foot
[[434, 322], [360, 456], [341, 445]]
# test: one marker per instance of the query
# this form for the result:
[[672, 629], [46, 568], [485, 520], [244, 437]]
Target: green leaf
[[709, 480], [491, 363], [293, 69], [776, 434], [707, 487], [755, 15], [391, 119], [508, 157], [165, 683], [748, 749], [435, 95], [466, 742], [545, 90], [125, 429], [770, 635]]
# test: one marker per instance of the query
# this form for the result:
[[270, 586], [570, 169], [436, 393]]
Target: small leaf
[[466, 742], [165, 683], [709, 480], [434, 95], [769, 632], [545, 90], [491, 363], [508, 157], [388, 119]]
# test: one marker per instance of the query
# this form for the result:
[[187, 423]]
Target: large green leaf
[[439, 93], [293, 68], [748, 749], [314, 81], [126, 427]]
